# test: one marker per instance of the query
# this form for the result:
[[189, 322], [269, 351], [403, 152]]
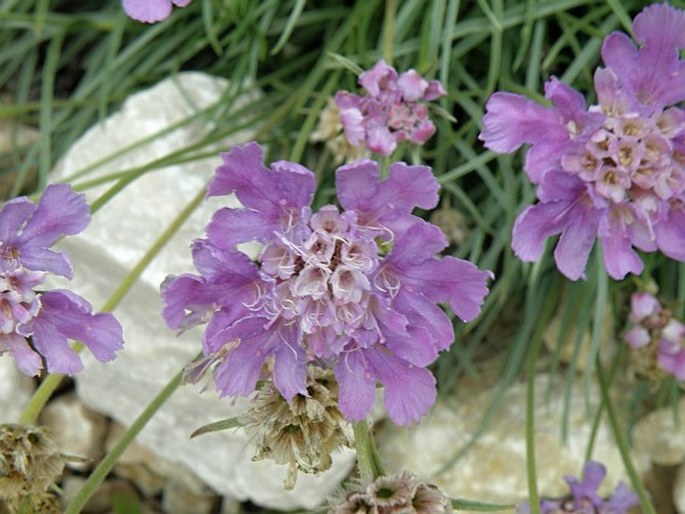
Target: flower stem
[[40, 398], [530, 429], [389, 30], [384, 165], [100, 472], [52, 382], [621, 442], [368, 460]]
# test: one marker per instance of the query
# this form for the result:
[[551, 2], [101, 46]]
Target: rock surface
[[494, 468], [660, 438], [15, 392], [117, 238], [77, 431]]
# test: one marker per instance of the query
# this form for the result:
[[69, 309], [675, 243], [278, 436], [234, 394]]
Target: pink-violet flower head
[[583, 497], [354, 289], [35, 324], [614, 171], [394, 109], [654, 328], [151, 11]]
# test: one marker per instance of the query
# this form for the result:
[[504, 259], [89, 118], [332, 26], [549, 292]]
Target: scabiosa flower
[[393, 109], [657, 338], [354, 290], [401, 493], [303, 433], [615, 171], [151, 11], [35, 325], [583, 497]]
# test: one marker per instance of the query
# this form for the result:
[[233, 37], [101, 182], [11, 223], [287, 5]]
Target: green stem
[[530, 425], [384, 163], [389, 30], [102, 470], [621, 442], [368, 460], [40, 398], [52, 382]]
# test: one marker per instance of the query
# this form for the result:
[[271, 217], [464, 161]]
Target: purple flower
[[614, 171], [393, 109], [671, 354], [354, 290], [583, 497], [654, 329], [35, 326], [151, 11]]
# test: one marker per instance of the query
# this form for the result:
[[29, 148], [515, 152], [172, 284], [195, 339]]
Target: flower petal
[[412, 85], [13, 215], [619, 256], [147, 11], [670, 233], [414, 346], [72, 316], [386, 203], [54, 346], [371, 79], [290, 363], [230, 227], [661, 25], [237, 375], [28, 361], [59, 212], [409, 391], [357, 385], [512, 120], [420, 312], [576, 242], [287, 186]]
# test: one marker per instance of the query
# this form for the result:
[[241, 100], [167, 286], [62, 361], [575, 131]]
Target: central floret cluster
[[632, 158], [353, 290], [322, 275]]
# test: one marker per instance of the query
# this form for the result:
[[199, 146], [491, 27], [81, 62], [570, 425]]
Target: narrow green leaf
[[290, 25], [224, 424], [474, 506]]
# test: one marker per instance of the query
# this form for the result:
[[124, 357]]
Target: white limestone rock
[[660, 437], [77, 430], [494, 468], [15, 392], [117, 238], [679, 491]]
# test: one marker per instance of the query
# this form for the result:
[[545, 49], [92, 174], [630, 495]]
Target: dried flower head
[[393, 110], [613, 172], [452, 223], [35, 325], [583, 497], [354, 289], [330, 131], [30, 463], [303, 433], [401, 493]]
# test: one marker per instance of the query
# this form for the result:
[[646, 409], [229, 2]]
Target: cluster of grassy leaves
[[65, 65]]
